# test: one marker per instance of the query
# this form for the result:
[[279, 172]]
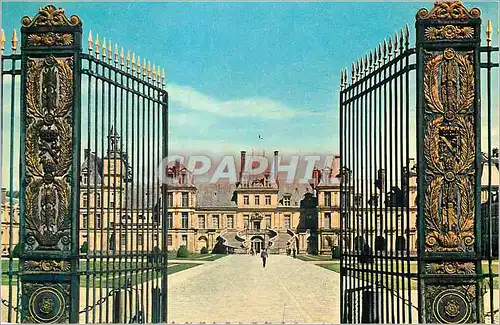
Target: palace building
[[256, 211]]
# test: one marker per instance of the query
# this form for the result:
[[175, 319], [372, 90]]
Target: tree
[[84, 248], [15, 252], [182, 251]]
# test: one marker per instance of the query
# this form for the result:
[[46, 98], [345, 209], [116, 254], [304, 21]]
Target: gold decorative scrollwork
[[48, 151], [448, 10], [50, 39], [450, 268], [448, 32], [51, 16], [47, 266], [449, 151]]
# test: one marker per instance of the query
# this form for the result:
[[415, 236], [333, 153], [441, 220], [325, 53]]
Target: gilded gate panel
[[448, 140]]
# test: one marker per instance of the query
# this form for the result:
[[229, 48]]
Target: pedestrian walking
[[264, 255]]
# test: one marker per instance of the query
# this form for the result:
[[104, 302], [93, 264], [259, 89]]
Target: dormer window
[[287, 200]]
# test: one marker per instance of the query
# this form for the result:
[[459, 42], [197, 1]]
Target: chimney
[[242, 162], [336, 166], [177, 168], [275, 171], [315, 177]]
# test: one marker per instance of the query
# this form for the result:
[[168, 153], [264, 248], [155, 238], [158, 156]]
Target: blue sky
[[239, 70]]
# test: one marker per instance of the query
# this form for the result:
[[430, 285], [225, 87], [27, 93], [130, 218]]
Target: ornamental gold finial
[[14, 41], [401, 39], [97, 46], [384, 49], [407, 33], [133, 63], [122, 58], [138, 66], [396, 48], [353, 72], [163, 79], [144, 68], [116, 55], [104, 52], [149, 70], [390, 46], [489, 29], [153, 71], [371, 61], [110, 51], [158, 75], [380, 53], [2, 41], [90, 41]]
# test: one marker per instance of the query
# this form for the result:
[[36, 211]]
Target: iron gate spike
[[14, 41], [97, 46], [138, 66], [116, 54], [104, 49], [133, 62], [90, 41], [158, 74], [163, 77], [144, 68], [407, 33], [489, 29], [396, 49], [401, 39], [390, 46], [122, 58], [2, 41], [110, 51]]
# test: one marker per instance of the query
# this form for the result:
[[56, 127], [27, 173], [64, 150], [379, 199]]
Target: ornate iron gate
[[84, 235], [417, 239]]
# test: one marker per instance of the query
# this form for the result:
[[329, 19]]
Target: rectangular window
[[256, 224], [328, 199], [257, 200], [286, 201], [112, 200], [201, 221], [85, 178], [268, 199], [170, 220], [85, 220], [245, 220], [169, 240], [140, 239], [246, 200], [124, 240], [155, 239], [184, 240], [185, 197], [268, 221], [184, 220], [98, 220], [230, 222], [98, 200], [215, 221], [85, 198], [170, 199], [328, 220], [287, 221]]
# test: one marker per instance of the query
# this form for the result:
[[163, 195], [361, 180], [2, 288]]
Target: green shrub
[[15, 252], [84, 248], [204, 250], [336, 253], [182, 251]]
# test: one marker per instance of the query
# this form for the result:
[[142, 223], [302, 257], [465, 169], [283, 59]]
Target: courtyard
[[238, 289]]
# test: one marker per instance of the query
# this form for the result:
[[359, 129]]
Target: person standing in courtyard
[[264, 255]]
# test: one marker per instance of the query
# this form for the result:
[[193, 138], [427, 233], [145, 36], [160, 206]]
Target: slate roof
[[93, 163], [215, 195]]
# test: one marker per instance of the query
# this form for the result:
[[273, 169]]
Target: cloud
[[261, 108]]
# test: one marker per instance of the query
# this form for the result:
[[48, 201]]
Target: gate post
[[50, 156], [448, 146]]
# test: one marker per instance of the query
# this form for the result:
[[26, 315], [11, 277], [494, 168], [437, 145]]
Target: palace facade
[[255, 212]]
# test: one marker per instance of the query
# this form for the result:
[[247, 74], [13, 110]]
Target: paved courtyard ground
[[237, 289]]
